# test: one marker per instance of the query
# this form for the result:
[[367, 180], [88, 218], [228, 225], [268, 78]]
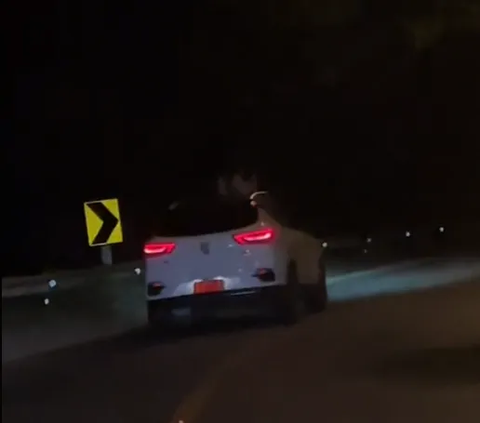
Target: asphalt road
[[371, 357], [101, 307]]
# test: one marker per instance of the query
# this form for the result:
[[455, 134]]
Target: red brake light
[[159, 248], [262, 236]]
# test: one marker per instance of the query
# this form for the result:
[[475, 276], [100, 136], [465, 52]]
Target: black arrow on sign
[[108, 219]]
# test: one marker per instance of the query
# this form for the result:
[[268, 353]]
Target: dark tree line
[[370, 104], [382, 101]]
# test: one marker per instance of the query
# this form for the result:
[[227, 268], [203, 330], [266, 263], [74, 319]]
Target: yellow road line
[[193, 405]]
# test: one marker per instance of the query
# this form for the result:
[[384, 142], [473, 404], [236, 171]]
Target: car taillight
[[262, 236], [158, 248]]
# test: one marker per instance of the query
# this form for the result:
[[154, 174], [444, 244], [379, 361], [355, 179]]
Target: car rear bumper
[[204, 305]]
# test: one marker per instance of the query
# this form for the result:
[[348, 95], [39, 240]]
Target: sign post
[[104, 226], [107, 258]]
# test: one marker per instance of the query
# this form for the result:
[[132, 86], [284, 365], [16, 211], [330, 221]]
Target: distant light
[[46, 301], [365, 251], [369, 240], [52, 283], [441, 229], [137, 270], [408, 234], [325, 244]]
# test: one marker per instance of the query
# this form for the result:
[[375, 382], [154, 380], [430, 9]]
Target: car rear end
[[211, 258]]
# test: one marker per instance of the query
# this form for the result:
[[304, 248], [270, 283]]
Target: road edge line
[[376, 270]]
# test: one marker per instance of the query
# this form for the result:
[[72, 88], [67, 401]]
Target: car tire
[[292, 305], [157, 320], [318, 298]]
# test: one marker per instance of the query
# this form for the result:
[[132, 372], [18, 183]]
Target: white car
[[222, 255]]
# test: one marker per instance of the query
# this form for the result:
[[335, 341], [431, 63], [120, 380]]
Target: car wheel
[[158, 323], [293, 304], [319, 296]]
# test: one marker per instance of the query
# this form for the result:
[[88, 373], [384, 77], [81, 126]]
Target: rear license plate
[[207, 287]]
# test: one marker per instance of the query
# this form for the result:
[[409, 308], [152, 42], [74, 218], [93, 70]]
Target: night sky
[[349, 121]]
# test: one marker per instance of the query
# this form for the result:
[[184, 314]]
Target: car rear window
[[205, 216]]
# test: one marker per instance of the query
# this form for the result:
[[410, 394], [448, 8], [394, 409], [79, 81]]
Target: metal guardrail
[[27, 285], [47, 282], [370, 243]]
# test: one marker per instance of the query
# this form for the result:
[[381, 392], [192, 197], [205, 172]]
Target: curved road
[[409, 357]]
